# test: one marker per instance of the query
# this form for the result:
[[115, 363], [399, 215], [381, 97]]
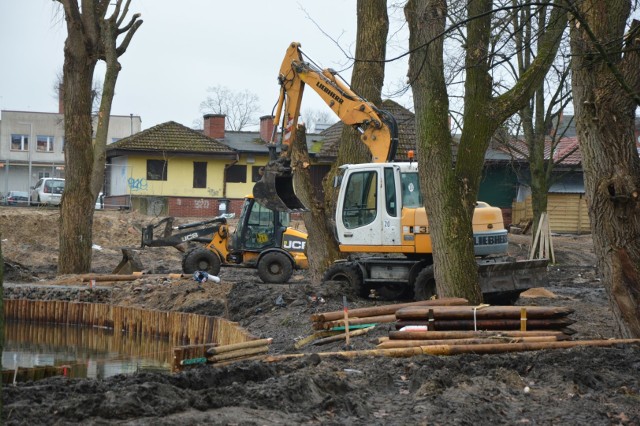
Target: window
[[237, 174], [359, 207], [411, 196], [44, 143], [256, 173], [19, 143], [156, 170], [390, 191], [43, 175], [199, 174]]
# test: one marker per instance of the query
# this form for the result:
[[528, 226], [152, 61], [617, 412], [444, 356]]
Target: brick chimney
[[60, 98], [266, 127], [214, 125]]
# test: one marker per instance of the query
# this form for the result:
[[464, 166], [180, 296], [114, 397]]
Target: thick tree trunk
[[451, 189], [605, 122], [452, 238], [76, 218], [90, 37], [367, 80], [322, 247]]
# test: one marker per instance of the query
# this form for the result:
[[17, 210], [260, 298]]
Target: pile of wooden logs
[[212, 353], [238, 351], [485, 317], [375, 314]]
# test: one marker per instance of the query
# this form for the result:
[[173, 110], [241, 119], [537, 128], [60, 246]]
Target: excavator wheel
[[201, 259], [425, 284], [275, 268], [349, 274]]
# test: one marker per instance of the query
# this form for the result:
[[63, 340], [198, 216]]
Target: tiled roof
[[568, 147], [406, 132], [171, 137]]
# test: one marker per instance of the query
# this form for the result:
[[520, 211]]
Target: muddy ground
[[578, 386]]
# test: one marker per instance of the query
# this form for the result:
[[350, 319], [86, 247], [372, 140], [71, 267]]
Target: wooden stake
[[338, 337], [346, 321]]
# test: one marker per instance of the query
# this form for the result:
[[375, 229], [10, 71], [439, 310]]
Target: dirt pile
[[577, 386]]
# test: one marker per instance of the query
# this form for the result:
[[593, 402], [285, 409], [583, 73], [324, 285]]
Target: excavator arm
[[378, 128]]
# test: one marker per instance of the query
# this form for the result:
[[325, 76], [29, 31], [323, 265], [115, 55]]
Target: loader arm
[[378, 128]]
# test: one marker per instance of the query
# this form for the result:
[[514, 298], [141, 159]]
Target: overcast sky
[[183, 48]]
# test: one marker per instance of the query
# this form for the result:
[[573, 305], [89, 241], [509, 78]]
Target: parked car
[[15, 198], [47, 191]]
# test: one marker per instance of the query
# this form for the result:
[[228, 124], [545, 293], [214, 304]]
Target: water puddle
[[88, 352]]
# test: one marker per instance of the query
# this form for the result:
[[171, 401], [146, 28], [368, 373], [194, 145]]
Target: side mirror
[[337, 180]]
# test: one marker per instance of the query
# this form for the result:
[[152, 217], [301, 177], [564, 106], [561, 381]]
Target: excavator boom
[[378, 128]]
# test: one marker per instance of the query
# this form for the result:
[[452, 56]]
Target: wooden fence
[[175, 326]]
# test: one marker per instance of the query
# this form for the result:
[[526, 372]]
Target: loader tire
[[425, 284], [201, 259], [349, 274], [275, 268]]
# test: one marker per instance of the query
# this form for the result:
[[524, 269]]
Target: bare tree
[[240, 108], [606, 91], [450, 187], [93, 34], [313, 117], [541, 117]]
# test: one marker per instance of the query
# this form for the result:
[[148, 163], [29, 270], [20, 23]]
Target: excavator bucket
[[275, 189]]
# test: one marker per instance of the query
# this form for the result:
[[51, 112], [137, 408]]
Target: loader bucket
[[275, 189], [130, 262]]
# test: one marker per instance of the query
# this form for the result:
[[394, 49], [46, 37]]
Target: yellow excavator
[[380, 212]]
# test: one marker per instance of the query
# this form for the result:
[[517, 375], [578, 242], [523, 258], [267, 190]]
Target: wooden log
[[487, 312], [232, 361], [236, 346], [326, 325], [460, 349], [386, 309], [490, 324], [341, 336], [239, 353], [315, 336], [129, 277], [470, 341], [438, 335]]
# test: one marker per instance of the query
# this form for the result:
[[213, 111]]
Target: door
[[357, 218]]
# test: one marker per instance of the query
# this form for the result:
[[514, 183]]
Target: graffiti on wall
[[139, 184]]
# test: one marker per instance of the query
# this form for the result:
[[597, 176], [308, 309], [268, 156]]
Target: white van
[[47, 191]]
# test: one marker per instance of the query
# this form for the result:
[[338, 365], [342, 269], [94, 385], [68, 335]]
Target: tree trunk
[[366, 80], [450, 189], [76, 218], [605, 123], [452, 238], [90, 37], [322, 247]]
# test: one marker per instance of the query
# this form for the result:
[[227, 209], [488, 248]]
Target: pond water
[[88, 352]]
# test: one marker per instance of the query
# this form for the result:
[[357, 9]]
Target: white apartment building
[[32, 143]]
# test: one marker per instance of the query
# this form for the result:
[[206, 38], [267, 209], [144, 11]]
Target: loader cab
[[259, 227]]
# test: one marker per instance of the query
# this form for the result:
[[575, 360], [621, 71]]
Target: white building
[[32, 143]]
